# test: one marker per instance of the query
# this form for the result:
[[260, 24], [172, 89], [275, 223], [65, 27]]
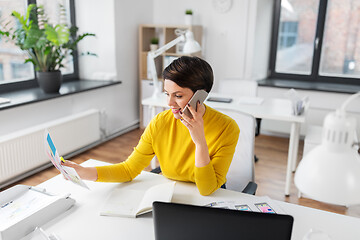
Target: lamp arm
[[170, 44], [351, 98], [151, 61], [152, 71]]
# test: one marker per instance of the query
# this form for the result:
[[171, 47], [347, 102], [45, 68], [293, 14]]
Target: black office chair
[[257, 133]]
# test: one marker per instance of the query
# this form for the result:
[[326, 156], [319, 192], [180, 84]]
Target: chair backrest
[[241, 170], [239, 87]]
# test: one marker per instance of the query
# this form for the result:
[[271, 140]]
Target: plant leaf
[[33, 36], [58, 35]]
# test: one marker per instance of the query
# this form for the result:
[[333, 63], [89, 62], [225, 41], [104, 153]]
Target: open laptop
[[179, 221]]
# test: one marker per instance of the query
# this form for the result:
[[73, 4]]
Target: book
[[131, 203]]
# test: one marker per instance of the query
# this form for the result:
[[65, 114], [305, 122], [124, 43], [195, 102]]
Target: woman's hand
[[86, 173], [197, 133], [195, 125]]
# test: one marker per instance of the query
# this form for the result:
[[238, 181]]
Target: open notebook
[[124, 202]]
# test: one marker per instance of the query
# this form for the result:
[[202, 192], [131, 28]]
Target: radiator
[[24, 151]]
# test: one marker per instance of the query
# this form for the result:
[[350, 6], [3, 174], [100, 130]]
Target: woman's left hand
[[195, 125]]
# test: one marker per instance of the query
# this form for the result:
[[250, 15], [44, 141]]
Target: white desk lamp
[[331, 171], [190, 46]]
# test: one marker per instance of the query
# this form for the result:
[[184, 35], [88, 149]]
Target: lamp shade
[[331, 171], [190, 46]]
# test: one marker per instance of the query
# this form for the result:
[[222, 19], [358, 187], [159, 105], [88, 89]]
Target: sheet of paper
[[122, 203], [23, 206], [250, 100], [259, 204], [4, 100], [68, 172]]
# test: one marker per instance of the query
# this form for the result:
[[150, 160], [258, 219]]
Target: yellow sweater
[[170, 140]]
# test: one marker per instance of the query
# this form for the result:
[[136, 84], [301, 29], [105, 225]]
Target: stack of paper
[[298, 103]]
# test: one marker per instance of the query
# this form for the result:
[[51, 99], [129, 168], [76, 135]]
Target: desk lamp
[[190, 46], [331, 171]]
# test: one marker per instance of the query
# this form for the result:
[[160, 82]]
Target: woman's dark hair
[[190, 72]]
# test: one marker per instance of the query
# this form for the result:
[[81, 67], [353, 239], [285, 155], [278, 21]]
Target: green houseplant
[[188, 12], [154, 43], [154, 40], [46, 45], [188, 16]]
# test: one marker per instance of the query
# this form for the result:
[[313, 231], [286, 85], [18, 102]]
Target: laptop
[[179, 221]]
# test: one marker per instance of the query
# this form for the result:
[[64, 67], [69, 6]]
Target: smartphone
[[199, 96], [264, 207], [219, 99]]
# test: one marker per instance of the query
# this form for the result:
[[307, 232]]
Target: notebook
[[179, 221]]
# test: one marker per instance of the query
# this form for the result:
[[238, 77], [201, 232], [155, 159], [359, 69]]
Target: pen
[[6, 204]]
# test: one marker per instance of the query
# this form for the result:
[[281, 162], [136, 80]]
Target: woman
[[198, 149]]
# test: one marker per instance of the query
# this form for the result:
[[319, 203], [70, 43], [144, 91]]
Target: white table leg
[[292, 153], [296, 147]]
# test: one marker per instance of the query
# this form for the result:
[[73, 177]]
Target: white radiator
[[24, 151]]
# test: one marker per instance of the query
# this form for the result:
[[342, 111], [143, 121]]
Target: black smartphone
[[219, 99], [199, 96]]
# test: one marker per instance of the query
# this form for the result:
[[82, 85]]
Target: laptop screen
[[179, 221]]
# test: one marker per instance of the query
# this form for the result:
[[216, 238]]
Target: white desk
[[84, 222], [272, 109]]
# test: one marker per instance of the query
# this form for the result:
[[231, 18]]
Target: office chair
[[238, 87], [240, 176]]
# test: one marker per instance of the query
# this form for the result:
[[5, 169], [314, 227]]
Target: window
[[20, 70], [287, 34], [1, 72], [316, 40], [14, 73]]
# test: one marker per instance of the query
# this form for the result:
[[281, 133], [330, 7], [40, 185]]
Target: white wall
[[225, 36], [116, 25], [105, 99], [92, 17]]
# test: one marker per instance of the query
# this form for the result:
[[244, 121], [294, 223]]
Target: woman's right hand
[[85, 173]]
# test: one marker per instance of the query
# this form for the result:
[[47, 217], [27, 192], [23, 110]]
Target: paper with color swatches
[[68, 172]]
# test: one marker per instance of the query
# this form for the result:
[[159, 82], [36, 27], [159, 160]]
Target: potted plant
[[154, 43], [188, 16], [46, 45]]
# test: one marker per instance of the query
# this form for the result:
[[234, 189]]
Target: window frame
[[319, 33], [32, 83]]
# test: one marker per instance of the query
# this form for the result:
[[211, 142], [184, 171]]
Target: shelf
[[165, 33]]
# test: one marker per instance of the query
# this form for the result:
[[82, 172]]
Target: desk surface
[[270, 108], [84, 222]]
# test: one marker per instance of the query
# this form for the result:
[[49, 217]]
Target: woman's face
[[177, 97]]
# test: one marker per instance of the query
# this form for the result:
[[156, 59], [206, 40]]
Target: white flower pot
[[153, 47], [188, 19]]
